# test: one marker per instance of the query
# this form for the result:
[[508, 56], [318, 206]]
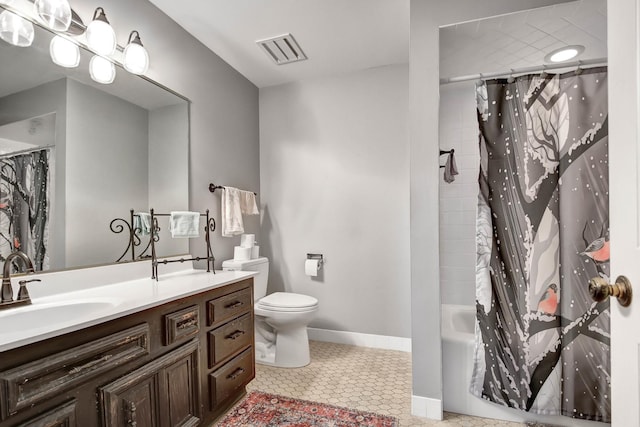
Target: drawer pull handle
[[89, 365], [235, 335], [234, 305], [188, 323], [235, 374]]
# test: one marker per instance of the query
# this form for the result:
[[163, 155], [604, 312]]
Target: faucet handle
[[23, 293]]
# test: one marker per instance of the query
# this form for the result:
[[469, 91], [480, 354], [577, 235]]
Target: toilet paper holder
[[319, 257]]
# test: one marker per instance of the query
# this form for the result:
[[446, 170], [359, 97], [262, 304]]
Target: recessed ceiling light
[[564, 53]]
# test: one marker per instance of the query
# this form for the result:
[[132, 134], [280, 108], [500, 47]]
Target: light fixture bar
[[136, 60]]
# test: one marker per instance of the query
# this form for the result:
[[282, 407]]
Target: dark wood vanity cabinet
[[180, 364]]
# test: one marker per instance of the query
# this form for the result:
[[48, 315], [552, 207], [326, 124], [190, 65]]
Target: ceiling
[[338, 37], [523, 39]]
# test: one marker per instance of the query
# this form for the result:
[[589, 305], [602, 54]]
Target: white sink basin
[[37, 315]]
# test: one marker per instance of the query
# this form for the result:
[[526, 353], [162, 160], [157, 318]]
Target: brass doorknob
[[600, 290]]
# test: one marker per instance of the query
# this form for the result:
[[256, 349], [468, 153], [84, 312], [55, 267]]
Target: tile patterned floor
[[360, 378]]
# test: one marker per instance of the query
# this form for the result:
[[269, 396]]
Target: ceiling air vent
[[282, 49]]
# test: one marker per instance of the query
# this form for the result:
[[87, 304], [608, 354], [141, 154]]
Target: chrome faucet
[[7, 289]]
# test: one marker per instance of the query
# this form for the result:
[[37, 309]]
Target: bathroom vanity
[[177, 352]]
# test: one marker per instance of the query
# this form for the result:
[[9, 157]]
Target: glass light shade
[[64, 52], [15, 29], [102, 70], [101, 37], [564, 54], [56, 14], [136, 58]]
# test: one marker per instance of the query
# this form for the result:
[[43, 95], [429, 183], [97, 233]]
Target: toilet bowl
[[281, 319]]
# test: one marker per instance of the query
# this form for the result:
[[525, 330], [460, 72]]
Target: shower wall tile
[[458, 130]]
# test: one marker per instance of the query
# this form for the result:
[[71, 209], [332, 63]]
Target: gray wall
[[426, 18], [224, 110], [335, 180], [47, 98], [93, 184]]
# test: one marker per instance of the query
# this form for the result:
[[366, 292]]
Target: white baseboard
[[362, 340], [426, 407]]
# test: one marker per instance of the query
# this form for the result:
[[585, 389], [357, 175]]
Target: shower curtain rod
[[525, 70], [26, 151]]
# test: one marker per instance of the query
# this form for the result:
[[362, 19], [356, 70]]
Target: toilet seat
[[287, 302]]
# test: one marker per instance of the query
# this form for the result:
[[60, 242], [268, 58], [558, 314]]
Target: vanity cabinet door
[[162, 393], [139, 404]]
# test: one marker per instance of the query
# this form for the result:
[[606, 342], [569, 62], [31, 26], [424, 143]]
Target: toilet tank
[[261, 265]]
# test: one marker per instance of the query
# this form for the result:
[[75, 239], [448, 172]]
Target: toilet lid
[[287, 300]]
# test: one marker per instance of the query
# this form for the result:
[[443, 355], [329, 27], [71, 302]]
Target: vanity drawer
[[229, 306], [233, 375], [229, 339], [41, 379], [181, 325], [63, 416]]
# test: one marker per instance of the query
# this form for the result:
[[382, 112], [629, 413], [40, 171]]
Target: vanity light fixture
[[564, 53], [56, 14], [15, 29], [102, 70], [100, 35], [136, 58], [64, 52]]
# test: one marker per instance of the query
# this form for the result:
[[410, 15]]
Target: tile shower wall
[[458, 130]]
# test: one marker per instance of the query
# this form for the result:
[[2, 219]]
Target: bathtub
[[458, 342]]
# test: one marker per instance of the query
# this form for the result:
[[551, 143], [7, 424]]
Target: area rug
[[260, 409]]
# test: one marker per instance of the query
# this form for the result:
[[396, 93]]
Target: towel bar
[[213, 188]]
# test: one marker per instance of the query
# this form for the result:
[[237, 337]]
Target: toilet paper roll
[[241, 254], [255, 252], [311, 267], [248, 240]]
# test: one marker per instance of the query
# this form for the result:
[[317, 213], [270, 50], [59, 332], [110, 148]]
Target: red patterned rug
[[260, 409]]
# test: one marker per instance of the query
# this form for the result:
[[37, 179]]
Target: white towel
[[184, 224], [232, 224], [142, 223], [248, 204]]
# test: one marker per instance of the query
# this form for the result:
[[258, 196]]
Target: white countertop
[[60, 313]]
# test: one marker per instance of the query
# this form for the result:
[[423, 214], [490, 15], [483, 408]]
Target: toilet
[[281, 319]]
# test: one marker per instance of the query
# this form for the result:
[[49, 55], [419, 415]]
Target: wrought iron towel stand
[[210, 226], [118, 225]]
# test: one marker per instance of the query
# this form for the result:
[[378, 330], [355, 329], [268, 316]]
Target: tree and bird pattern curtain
[[24, 206], [542, 344]]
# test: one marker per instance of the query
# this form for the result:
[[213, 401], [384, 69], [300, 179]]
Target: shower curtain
[[24, 206], [542, 344]]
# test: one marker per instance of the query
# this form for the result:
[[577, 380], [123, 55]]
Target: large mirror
[[76, 154]]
